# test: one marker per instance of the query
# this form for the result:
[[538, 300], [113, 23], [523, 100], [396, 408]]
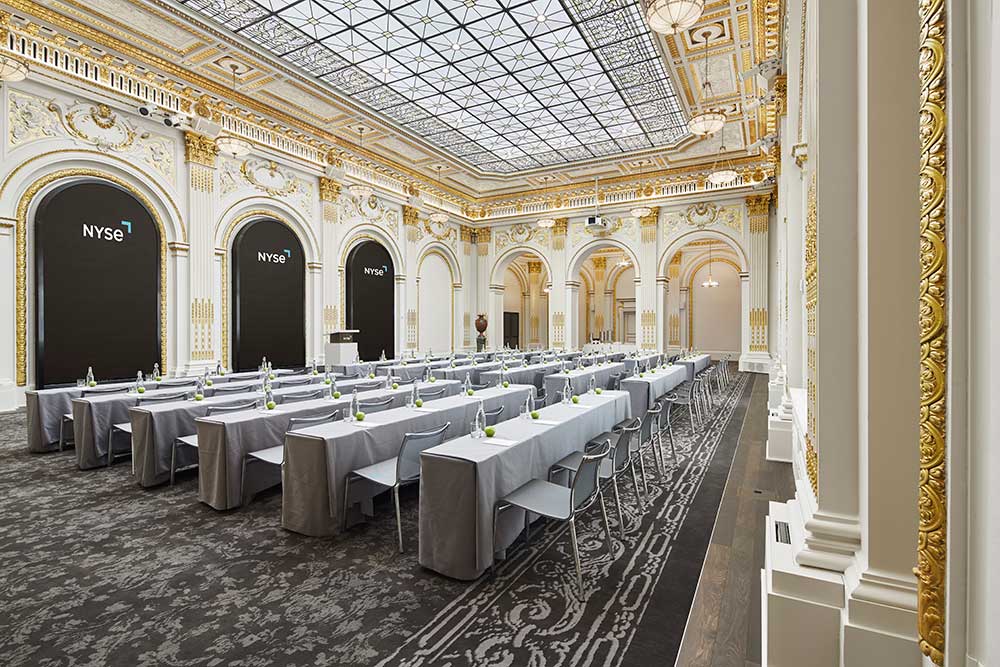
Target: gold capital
[[329, 189], [200, 149]]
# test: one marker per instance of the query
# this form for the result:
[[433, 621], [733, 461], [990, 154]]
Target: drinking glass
[[80, 383]]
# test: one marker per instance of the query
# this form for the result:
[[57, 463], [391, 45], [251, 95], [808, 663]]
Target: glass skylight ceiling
[[505, 85]]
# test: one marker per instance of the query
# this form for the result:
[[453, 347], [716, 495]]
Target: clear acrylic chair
[[126, 427], [493, 416], [429, 394], [191, 441], [303, 396], [560, 503], [396, 472], [371, 407]]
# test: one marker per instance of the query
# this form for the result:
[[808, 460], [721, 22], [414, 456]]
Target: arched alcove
[[98, 263], [369, 304], [435, 303], [268, 296]]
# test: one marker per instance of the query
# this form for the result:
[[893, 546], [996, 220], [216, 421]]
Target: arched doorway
[[370, 299], [519, 304], [602, 299], [97, 270], [269, 291]]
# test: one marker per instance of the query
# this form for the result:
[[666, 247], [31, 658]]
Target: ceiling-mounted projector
[[596, 221]]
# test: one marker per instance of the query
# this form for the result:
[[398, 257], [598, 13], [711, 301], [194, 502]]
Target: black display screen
[[97, 270], [269, 297], [371, 299]]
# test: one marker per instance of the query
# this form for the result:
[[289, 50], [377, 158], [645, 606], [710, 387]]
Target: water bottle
[[355, 409], [591, 384], [218, 368], [388, 381], [567, 391], [382, 358], [138, 379], [268, 396], [199, 387], [90, 375], [467, 385], [635, 370], [427, 374], [333, 385], [371, 369], [314, 370], [414, 395], [480, 425]]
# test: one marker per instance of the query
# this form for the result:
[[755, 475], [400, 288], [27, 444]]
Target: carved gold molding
[[200, 149], [932, 546], [329, 189], [21, 263]]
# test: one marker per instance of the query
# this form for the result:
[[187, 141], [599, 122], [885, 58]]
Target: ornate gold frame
[[21, 259], [932, 547]]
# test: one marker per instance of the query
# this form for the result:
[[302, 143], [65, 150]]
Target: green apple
[[490, 431], [575, 399], [327, 381], [395, 385], [158, 378], [433, 379], [198, 397], [91, 384], [360, 416], [371, 376], [470, 392], [336, 394], [315, 372], [419, 403], [271, 376], [506, 384], [141, 389], [208, 383], [534, 414], [271, 405], [598, 390]]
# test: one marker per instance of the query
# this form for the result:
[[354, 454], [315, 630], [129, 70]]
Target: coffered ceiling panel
[[503, 85]]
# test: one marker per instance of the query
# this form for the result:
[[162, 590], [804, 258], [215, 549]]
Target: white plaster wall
[[435, 294], [717, 310]]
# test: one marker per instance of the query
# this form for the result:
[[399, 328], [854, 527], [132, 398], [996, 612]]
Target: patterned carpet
[[97, 572]]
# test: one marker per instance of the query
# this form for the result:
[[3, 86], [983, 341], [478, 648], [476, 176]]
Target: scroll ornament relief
[[32, 118], [268, 177], [702, 215], [521, 234]]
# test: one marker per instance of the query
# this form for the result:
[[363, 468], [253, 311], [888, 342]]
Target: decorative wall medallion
[[520, 234], [442, 231], [267, 176], [701, 214], [98, 126], [229, 176], [29, 119], [372, 211]]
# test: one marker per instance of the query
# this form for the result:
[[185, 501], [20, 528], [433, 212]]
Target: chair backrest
[[98, 391], [238, 389], [431, 393], [492, 417], [692, 386], [614, 381], [349, 376], [401, 381], [302, 396], [623, 448], [303, 422], [538, 403], [646, 429], [366, 386], [585, 482], [539, 380], [162, 398], [179, 382], [408, 463], [221, 409], [296, 382], [477, 387], [375, 406]]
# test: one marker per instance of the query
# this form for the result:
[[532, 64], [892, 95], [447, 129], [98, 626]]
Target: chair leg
[[527, 529], [607, 525], [62, 434], [673, 449], [635, 483], [173, 466], [618, 504], [347, 495], [243, 482], [642, 473], [111, 446], [576, 553], [399, 520]]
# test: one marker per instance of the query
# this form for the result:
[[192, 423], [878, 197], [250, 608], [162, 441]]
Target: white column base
[[775, 393], [755, 362], [11, 398], [779, 437], [880, 623]]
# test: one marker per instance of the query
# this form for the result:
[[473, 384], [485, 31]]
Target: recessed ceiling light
[[387, 34], [312, 20], [541, 18], [386, 70], [456, 47], [426, 19]]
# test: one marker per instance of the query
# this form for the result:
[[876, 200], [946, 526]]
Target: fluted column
[[533, 314], [755, 355], [602, 318], [411, 227], [674, 324], [200, 153], [560, 310], [648, 318], [329, 194]]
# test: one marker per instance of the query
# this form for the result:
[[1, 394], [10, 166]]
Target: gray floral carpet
[[96, 571]]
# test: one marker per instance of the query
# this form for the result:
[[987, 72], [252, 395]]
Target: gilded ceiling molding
[[932, 545], [200, 149]]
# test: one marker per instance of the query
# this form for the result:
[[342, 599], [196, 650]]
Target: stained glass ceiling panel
[[505, 85]]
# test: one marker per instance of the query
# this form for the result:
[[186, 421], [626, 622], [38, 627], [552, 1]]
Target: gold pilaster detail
[[200, 149], [757, 210], [559, 233], [534, 267], [812, 297], [329, 189], [411, 216], [202, 326], [932, 544]]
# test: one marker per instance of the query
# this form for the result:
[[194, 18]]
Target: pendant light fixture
[[361, 191], [711, 282], [668, 17], [722, 172], [228, 143], [12, 69], [439, 217], [640, 212], [707, 121]]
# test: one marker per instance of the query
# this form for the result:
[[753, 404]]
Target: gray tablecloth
[[579, 379], [644, 361], [462, 479], [521, 375], [155, 426], [411, 369], [93, 416], [223, 441], [695, 364], [475, 372], [318, 459], [645, 390]]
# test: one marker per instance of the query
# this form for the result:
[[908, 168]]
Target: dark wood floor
[[723, 629]]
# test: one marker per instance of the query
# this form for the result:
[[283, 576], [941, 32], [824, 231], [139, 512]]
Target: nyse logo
[[102, 233], [274, 257], [376, 271]]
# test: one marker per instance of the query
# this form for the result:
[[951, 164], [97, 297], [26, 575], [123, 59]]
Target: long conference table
[[461, 480], [579, 379], [695, 364], [319, 458], [643, 391]]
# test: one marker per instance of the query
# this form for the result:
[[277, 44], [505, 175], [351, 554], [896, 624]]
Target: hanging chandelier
[[12, 69], [439, 217], [707, 121], [547, 223], [722, 172], [361, 191], [711, 282], [668, 17], [640, 212], [228, 143]]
